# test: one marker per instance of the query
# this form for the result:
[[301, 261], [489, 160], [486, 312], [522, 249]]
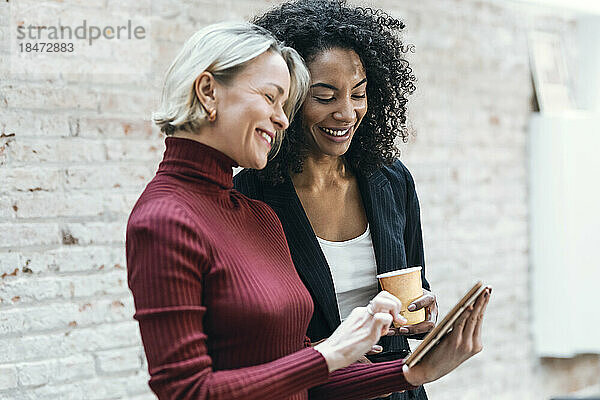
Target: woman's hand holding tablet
[[453, 341]]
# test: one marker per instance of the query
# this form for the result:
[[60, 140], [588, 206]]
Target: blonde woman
[[222, 312]]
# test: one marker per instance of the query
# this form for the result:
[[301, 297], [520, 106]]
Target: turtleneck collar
[[197, 162]]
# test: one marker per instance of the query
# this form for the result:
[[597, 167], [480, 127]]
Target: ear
[[205, 88]]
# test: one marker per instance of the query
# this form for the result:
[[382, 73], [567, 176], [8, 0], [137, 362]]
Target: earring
[[212, 115]]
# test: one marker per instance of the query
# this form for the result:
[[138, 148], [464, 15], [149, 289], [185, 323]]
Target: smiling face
[[336, 102], [250, 110]]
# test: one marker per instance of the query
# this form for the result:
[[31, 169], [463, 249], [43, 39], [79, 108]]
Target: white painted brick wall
[[76, 151], [8, 377]]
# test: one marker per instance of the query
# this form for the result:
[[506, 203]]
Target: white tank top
[[353, 268]]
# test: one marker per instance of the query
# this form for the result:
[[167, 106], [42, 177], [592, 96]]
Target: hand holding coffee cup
[[429, 304]]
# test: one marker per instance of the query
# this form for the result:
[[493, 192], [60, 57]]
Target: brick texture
[[76, 150]]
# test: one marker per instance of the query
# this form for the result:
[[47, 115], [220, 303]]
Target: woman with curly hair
[[348, 206]]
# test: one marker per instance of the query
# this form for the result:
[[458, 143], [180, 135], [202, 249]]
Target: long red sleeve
[[363, 381]]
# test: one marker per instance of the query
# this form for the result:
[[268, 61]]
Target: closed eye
[[270, 98], [324, 99]]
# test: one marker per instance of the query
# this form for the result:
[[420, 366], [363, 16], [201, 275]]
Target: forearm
[[195, 379], [362, 381]]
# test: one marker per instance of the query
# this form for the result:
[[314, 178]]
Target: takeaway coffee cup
[[406, 285]]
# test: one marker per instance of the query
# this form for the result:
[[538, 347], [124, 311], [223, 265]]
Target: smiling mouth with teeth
[[334, 132], [266, 136]]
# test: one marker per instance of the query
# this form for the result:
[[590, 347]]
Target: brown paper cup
[[406, 285]]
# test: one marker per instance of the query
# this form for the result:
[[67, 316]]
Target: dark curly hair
[[312, 26]]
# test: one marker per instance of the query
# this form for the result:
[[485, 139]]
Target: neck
[[194, 161], [207, 135], [201, 137], [322, 171]]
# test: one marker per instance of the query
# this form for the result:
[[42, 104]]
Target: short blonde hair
[[222, 49]]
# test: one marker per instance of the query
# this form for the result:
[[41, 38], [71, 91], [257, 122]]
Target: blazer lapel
[[307, 255], [385, 221]]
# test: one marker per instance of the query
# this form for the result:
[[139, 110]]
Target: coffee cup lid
[[399, 272]]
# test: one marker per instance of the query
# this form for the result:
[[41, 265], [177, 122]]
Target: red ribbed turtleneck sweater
[[222, 311]]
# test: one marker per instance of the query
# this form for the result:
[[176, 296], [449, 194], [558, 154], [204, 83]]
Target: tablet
[[445, 326]]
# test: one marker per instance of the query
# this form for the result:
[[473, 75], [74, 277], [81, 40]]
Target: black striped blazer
[[392, 209]]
